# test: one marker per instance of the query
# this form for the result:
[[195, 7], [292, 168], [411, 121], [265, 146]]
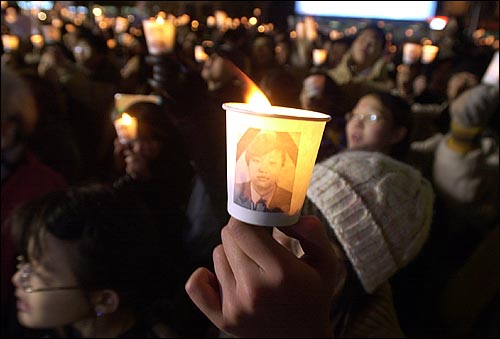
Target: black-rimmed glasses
[[26, 271]]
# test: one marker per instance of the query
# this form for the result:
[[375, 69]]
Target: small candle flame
[[160, 20], [256, 97], [126, 119]]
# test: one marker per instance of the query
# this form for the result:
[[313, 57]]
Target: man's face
[[264, 171]]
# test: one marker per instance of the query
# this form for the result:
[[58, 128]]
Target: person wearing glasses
[[93, 265], [381, 122]]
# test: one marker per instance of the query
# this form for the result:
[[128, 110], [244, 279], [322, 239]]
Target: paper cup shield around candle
[[429, 53], [411, 53], [271, 152], [125, 125], [160, 35]]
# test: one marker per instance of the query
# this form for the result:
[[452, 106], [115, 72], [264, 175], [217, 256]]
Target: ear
[[105, 301], [398, 134]]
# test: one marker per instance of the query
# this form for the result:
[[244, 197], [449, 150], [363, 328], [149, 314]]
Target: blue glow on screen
[[389, 10], [41, 5]]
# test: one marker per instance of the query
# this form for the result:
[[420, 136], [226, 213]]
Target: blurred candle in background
[[429, 53], [319, 56], [160, 35]]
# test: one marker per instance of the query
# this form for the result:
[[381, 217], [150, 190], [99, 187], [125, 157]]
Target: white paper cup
[[411, 53], [123, 100], [271, 153], [429, 53]]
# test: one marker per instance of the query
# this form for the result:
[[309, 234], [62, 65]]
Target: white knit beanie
[[379, 208]]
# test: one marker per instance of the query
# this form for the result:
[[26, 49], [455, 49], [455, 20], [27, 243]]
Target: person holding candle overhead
[[154, 164]]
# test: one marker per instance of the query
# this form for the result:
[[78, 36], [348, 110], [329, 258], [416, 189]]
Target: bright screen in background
[[389, 10]]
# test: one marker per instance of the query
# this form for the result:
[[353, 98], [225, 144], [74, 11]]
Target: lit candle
[[300, 29], [210, 21], [126, 128], [37, 40], [310, 29], [121, 24], [160, 35], [411, 53], [429, 53], [319, 56], [199, 53], [10, 42], [271, 152], [220, 18]]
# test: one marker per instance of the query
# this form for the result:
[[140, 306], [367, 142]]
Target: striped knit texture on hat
[[379, 208]]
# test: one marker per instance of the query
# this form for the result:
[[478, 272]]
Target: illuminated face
[[370, 127], [47, 306], [264, 171], [366, 49], [82, 52]]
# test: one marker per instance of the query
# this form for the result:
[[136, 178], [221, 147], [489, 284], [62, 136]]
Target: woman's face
[[366, 49], [47, 290], [370, 126]]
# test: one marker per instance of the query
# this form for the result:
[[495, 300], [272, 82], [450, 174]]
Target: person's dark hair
[[116, 243], [281, 87], [155, 116], [97, 42], [379, 33], [401, 116]]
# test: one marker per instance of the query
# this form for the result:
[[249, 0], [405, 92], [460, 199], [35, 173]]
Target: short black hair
[[379, 33], [402, 116]]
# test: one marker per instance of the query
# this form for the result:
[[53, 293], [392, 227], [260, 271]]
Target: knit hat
[[475, 107], [379, 208]]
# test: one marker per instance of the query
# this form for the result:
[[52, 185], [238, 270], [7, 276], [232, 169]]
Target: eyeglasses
[[27, 271], [371, 118]]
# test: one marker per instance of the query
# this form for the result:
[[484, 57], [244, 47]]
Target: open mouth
[[22, 305]]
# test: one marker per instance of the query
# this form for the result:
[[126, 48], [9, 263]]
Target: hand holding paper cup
[[126, 125], [271, 152]]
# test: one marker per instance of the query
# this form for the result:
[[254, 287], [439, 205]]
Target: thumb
[[311, 234]]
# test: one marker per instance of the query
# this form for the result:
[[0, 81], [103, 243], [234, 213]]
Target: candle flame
[[256, 97], [160, 20], [126, 119], [253, 95]]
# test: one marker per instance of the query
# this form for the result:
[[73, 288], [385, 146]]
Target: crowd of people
[[132, 238]]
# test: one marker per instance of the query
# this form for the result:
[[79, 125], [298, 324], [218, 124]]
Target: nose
[[16, 279], [358, 121]]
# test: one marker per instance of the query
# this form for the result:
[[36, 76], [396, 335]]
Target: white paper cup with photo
[[271, 153]]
